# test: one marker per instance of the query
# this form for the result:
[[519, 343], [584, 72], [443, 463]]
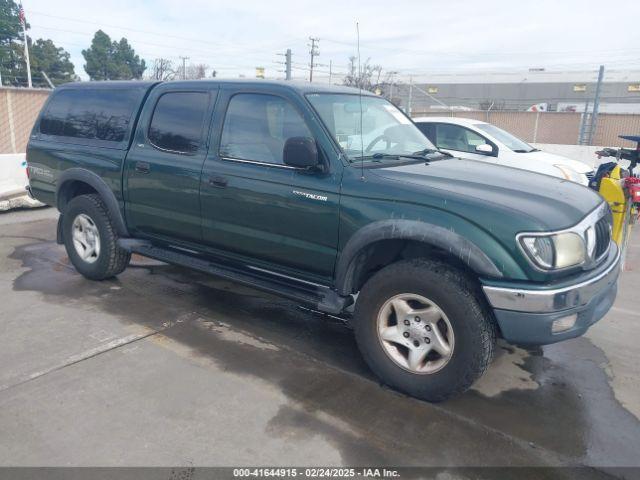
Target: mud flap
[[59, 233]]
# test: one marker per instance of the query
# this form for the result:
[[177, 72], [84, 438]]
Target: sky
[[412, 38]]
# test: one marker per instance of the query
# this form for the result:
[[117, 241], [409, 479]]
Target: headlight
[[570, 174], [552, 252]]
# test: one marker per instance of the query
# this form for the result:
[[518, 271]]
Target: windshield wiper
[[432, 151], [376, 157]]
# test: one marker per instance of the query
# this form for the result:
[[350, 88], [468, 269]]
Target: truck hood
[[475, 189], [553, 159]]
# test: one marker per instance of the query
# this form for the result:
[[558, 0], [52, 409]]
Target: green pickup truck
[[333, 198]]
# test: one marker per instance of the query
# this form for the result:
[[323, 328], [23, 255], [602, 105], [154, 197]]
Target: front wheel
[[90, 239], [423, 329]]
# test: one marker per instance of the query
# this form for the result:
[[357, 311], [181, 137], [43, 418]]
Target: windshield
[[381, 130], [510, 141]]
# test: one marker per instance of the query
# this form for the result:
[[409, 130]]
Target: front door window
[[257, 126], [455, 137]]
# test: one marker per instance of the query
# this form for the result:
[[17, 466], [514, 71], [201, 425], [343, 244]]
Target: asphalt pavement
[[164, 366]]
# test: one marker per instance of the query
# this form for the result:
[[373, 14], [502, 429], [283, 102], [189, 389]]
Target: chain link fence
[[19, 108]]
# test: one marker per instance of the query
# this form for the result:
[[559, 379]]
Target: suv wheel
[[91, 240], [423, 329]]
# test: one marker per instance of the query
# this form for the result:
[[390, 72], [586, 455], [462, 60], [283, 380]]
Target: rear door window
[[100, 114], [178, 120]]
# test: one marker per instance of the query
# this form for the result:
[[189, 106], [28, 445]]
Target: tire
[[465, 329], [88, 213]]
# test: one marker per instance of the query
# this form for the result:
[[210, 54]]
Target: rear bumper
[[526, 315]]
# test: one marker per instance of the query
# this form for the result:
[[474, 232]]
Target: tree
[[12, 66], [367, 77], [99, 57], [44, 54], [107, 60], [129, 64], [162, 69], [196, 71], [54, 61]]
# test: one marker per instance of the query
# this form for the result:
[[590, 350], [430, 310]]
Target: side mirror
[[300, 152], [485, 149]]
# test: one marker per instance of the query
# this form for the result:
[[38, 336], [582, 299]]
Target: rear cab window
[[101, 116], [177, 122]]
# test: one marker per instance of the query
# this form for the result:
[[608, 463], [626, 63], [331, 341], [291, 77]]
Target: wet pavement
[[164, 366]]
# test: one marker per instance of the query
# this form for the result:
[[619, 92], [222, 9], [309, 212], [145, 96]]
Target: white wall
[[582, 153], [13, 179], [13, 176]]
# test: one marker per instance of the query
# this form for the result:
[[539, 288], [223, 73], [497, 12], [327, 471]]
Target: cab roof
[[297, 86]]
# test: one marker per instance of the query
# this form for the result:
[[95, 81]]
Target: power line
[[233, 44], [376, 45], [153, 44], [373, 44]]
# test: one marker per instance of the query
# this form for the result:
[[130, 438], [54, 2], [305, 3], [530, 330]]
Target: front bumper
[[526, 315]]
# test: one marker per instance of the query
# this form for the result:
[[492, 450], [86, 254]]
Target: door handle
[[220, 182], [143, 167]]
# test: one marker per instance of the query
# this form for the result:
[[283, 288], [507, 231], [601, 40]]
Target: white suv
[[475, 140]]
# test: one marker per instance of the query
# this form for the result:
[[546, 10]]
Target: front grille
[[603, 236], [590, 175]]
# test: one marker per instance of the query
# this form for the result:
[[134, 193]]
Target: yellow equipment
[[613, 191], [621, 190]]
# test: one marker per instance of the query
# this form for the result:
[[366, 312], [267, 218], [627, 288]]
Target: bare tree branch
[[163, 69]]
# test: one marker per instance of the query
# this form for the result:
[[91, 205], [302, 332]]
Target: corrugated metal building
[[561, 91]]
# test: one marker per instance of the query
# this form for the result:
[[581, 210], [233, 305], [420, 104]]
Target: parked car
[[477, 140], [328, 197]]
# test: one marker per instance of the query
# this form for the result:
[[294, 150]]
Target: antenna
[[360, 97]]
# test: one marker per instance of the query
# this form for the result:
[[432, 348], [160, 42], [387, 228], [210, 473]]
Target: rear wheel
[[423, 329], [90, 239]]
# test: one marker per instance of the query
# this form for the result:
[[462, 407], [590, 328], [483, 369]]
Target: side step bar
[[320, 298]]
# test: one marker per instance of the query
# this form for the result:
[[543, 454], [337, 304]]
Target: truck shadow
[[548, 406]]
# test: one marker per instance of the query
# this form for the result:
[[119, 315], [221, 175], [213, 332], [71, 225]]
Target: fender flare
[[97, 183], [434, 235]]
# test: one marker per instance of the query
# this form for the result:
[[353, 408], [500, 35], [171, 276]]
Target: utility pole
[[23, 22], [596, 104], [410, 96], [184, 67], [330, 70], [313, 52], [287, 65], [392, 80]]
